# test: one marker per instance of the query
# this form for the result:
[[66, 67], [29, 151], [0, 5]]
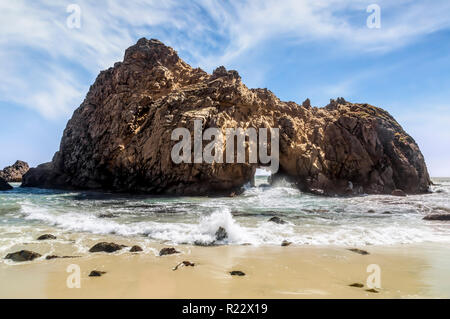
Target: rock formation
[[23, 255], [120, 137], [15, 172], [4, 186]]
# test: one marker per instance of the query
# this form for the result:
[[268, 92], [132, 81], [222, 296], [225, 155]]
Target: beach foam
[[311, 220]]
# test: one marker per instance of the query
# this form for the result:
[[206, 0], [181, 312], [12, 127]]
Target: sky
[[317, 49]]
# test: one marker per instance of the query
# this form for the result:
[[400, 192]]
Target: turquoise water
[[312, 220]]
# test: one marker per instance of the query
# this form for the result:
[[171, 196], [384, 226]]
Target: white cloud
[[41, 58]]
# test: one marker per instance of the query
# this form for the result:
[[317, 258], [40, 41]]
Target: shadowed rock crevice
[[120, 137]]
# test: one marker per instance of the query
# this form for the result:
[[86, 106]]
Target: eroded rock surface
[[120, 137], [14, 172]]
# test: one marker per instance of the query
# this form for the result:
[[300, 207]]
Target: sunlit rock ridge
[[119, 138]]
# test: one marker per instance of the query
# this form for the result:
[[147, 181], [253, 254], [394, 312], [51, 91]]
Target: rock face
[[120, 137], [15, 172], [4, 186]]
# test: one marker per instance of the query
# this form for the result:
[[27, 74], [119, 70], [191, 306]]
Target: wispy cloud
[[45, 65]]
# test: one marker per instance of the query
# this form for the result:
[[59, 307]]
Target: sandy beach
[[407, 271]]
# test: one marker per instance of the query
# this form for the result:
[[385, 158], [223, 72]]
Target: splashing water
[[313, 220]]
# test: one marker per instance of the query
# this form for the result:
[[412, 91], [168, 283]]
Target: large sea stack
[[120, 137]]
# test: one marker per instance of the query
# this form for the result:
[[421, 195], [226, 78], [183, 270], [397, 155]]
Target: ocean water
[[310, 220]]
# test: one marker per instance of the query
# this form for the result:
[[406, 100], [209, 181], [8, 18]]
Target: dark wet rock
[[14, 173], [4, 186], [136, 249], [205, 244], [307, 103], [440, 217], [46, 237], [237, 273], [285, 243], [371, 211], [277, 220], [96, 273], [359, 251], [168, 251], [357, 285], [387, 213], [23, 255], [49, 257], [221, 234], [184, 263], [106, 215], [372, 290], [398, 192], [264, 185], [106, 247], [188, 263]]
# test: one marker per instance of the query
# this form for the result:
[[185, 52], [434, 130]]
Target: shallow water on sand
[[357, 221]]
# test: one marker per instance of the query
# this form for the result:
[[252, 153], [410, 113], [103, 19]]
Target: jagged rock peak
[[221, 71], [306, 103], [151, 51]]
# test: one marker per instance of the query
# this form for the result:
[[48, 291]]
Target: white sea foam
[[313, 220], [203, 229]]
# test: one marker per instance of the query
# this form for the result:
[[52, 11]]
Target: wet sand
[[407, 271]]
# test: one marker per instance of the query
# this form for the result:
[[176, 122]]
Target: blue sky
[[319, 49]]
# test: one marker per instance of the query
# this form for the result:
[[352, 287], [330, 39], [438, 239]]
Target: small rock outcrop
[[372, 291], [168, 251], [135, 249], [23, 255], [440, 217], [14, 173], [221, 234], [285, 243], [237, 273], [106, 247], [184, 263], [277, 220], [120, 137], [359, 251], [4, 186], [46, 237], [96, 273], [50, 257]]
